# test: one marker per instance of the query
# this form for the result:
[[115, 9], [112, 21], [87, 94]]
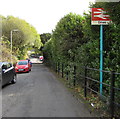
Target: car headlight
[[16, 67], [26, 67]]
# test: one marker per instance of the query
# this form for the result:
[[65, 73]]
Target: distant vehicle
[[7, 73], [41, 58], [23, 66], [34, 55]]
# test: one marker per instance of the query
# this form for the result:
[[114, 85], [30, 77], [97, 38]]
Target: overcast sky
[[42, 14]]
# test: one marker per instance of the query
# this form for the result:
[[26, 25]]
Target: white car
[[41, 58]]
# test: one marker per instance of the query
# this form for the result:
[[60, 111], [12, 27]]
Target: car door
[[5, 74], [0, 75], [10, 70]]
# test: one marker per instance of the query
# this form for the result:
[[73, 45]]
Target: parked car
[[34, 56], [23, 66], [8, 73], [41, 58]]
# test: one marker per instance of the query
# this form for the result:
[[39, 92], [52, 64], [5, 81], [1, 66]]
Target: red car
[[23, 66]]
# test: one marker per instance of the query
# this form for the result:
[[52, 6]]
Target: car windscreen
[[22, 63]]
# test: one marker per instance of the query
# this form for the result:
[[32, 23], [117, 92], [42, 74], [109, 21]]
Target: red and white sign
[[100, 17]]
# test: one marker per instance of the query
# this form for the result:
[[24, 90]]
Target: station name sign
[[100, 17]]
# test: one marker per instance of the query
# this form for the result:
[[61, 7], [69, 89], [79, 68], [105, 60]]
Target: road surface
[[39, 94]]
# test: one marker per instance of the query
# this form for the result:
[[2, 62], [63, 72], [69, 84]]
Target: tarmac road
[[39, 94]]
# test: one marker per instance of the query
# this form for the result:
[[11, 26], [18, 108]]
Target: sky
[[42, 14]]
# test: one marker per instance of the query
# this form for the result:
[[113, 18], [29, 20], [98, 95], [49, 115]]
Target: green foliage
[[45, 37], [74, 39], [76, 42], [68, 36], [113, 9], [25, 38], [6, 51]]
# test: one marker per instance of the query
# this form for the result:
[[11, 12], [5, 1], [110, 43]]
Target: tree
[[45, 37], [24, 38], [68, 35]]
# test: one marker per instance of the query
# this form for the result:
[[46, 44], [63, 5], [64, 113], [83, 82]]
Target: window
[[23, 63], [4, 66], [9, 65]]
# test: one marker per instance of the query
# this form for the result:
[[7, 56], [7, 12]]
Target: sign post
[[101, 58], [100, 17]]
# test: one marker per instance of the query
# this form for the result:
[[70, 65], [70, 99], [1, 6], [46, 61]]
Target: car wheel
[[14, 79]]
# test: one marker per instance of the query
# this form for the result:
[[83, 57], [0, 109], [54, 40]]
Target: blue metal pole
[[101, 58]]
